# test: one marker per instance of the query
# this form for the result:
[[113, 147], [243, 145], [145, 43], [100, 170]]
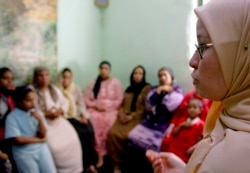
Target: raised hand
[[165, 162]]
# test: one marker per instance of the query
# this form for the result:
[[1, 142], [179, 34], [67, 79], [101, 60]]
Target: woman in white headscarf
[[221, 73], [78, 116]]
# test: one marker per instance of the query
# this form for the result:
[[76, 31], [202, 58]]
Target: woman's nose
[[194, 61]]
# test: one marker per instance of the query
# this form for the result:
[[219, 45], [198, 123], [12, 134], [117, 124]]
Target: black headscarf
[[99, 79], [136, 88]]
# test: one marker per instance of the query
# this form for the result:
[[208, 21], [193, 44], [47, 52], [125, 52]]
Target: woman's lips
[[195, 81]]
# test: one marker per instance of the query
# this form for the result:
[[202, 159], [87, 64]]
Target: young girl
[[186, 134], [27, 128]]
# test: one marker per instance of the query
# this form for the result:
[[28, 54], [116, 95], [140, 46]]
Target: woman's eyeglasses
[[201, 48]]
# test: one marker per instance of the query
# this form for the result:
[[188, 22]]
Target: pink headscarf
[[226, 146]]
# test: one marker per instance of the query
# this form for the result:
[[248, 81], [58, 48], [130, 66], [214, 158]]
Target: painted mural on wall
[[28, 36]]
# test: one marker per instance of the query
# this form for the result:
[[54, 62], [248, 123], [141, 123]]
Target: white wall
[[153, 33], [79, 38]]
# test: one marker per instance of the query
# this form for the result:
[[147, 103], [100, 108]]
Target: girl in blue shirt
[[27, 127]]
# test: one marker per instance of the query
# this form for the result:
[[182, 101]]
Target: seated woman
[[161, 101], [6, 105], [6, 96], [103, 98], [61, 136], [78, 116], [130, 114]]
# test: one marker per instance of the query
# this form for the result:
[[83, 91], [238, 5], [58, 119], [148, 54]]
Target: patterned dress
[[110, 96]]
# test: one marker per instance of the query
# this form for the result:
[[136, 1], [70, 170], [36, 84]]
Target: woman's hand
[[84, 120], [52, 113], [100, 107], [121, 117], [59, 111], [165, 162], [125, 119], [164, 88]]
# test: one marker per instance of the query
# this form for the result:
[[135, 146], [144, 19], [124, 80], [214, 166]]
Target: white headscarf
[[67, 92]]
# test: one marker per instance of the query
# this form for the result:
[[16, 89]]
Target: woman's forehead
[[43, 72], [202, 33], [164, 71]]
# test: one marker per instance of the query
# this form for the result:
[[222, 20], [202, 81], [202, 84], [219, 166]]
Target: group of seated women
[[57, 128]]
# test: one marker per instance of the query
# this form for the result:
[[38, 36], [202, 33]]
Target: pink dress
[[110, 96]]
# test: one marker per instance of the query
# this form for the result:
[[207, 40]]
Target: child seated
[[185, 135], [27, 128]]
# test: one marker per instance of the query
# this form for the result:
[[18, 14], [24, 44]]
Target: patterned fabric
[[110, 96]]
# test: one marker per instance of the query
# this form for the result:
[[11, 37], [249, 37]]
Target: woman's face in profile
[[66, 79], [138, 75], [104, 71], [207, 75], [164, 77]]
